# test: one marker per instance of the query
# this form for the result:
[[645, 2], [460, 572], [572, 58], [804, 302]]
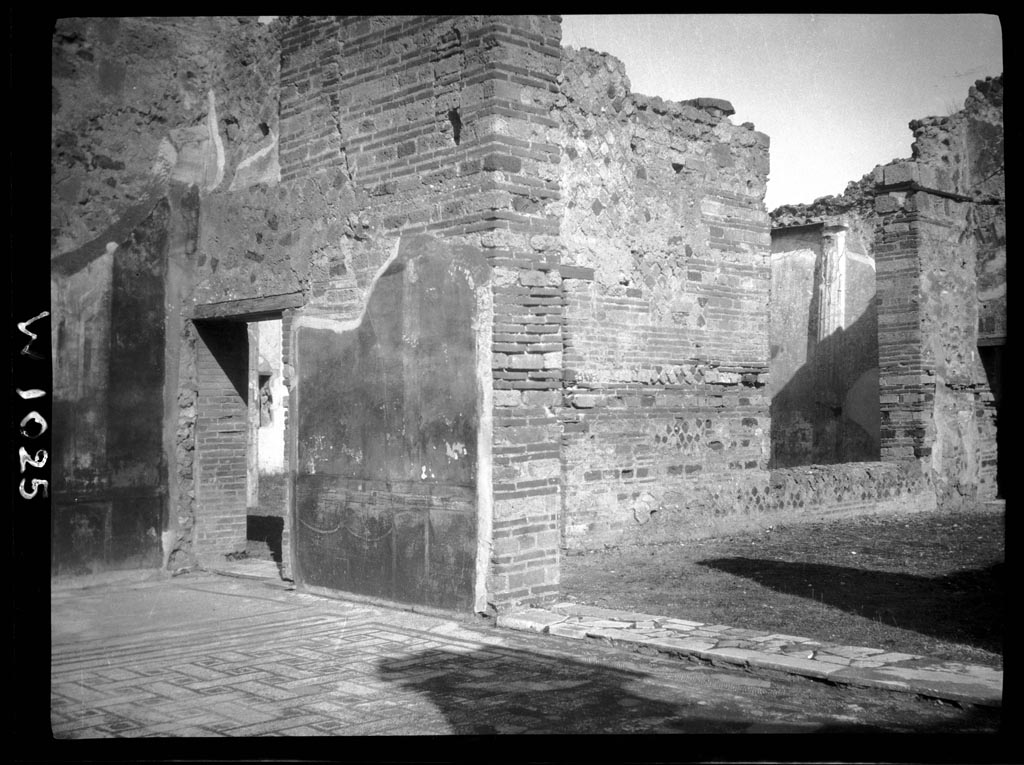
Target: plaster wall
[[824, 348]]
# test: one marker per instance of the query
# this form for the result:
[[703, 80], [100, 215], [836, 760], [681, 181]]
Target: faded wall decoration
[[387, 435]]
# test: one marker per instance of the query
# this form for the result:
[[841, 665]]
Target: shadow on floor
[[504, 691], [965, 607]]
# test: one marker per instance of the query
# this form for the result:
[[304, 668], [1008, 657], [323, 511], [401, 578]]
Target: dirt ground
[[925, 583]]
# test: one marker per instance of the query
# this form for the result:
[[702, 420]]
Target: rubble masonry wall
[[666, 421]]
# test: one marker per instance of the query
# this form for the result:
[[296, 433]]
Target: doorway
[[241, 465]]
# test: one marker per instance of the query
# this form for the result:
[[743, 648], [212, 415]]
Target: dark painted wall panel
[[387, 438], [135, 397], [109, 508]]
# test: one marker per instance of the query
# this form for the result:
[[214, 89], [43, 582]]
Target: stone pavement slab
[[721, 644]]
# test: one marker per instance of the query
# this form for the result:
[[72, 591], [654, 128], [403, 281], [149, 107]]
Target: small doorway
[[267, 500], [242, 489]]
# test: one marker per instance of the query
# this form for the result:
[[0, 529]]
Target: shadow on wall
[[965, 607], [506, 691], [828, 411]]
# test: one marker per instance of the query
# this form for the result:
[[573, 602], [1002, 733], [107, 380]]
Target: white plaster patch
[[346, 325], [454, 450], [356, 455], [856, 257], [249, 172], [167, 543], [211, 122], [991, 294]]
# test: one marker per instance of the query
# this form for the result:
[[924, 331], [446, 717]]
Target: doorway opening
[[242, 487]]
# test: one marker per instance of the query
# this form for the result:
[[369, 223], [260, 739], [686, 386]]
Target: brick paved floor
[[212, 656]]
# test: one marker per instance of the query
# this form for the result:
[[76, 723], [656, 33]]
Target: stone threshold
[[726, 646]]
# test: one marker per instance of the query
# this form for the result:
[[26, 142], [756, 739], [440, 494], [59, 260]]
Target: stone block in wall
[[900, 172]]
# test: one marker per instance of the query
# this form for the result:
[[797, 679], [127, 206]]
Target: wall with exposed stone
[[149, 116], [666, 243]]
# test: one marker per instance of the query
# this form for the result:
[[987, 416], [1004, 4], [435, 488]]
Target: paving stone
[[611, 624], [737, 632], [573, 609], [795, 665], [823, 656], [955, 667], [800, 649], [612, 633], [853, 652], [656, 633], [568, 629], [731, 655], [683, 644], [680, 623], [729, 644], [982, 687], [534, 619]]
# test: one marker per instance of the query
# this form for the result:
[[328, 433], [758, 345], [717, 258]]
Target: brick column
[[933, 390]]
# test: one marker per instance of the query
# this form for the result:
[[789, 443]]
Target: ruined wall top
[[966, 148], [958, 154], [856, 201], [603, 84]]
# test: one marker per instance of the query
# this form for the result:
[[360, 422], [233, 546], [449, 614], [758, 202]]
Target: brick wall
[[222, 354], [526, 363], [310, 141], [446, 128], [937, 404], [666, 418]]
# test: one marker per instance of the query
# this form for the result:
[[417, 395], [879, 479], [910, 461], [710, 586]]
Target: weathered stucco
[[823, 333]]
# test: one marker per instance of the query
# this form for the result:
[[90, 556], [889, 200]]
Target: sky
[[834, 92]]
